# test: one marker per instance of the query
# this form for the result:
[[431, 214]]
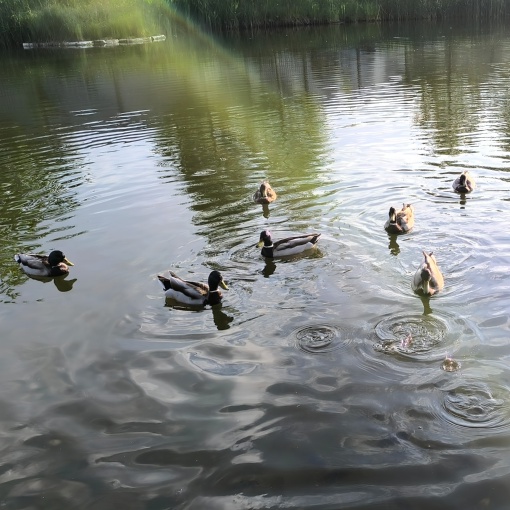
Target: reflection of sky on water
[[147, 161]]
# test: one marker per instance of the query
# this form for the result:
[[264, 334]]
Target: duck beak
[[68, 262], [260, 244], [223, 285]]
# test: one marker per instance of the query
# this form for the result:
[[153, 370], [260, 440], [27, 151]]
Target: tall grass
[[249, 13], [60, 20], [71, 20]]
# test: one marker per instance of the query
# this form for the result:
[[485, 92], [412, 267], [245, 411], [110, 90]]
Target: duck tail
[[164, 281]]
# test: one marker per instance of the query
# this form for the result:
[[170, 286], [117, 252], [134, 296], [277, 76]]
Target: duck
[[465, 183], [400, 222], [194, 293], [428, 278], [265, 194], [54, 264], [288, 246]]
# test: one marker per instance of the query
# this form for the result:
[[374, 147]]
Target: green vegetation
[[249, 13], [72, 20]]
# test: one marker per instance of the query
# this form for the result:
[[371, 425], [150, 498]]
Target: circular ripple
[[317, 339], [474, 406], [413, 335]]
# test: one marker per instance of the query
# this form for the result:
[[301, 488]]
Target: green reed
[[249, 13], [71, 20]]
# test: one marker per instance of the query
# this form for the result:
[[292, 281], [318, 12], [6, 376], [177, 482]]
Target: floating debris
[[450, 365], [95, 43]]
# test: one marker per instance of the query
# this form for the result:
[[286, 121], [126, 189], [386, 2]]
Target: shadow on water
[[60, 282], [221, 319], [393, 245]]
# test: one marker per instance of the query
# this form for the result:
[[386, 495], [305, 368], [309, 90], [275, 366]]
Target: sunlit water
[[322, 381]]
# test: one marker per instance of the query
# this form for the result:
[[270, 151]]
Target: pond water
[[322, 381]]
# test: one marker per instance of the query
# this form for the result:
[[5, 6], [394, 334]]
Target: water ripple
[[317, 339], [476, 404], [414, 336]]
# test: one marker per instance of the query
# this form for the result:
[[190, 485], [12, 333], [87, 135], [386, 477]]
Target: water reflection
[[60, 282], [221, 319], [322, 383], [393, 245], [269, 268], [427, 309]]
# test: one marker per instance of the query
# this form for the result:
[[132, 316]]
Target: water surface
[[322, 381]]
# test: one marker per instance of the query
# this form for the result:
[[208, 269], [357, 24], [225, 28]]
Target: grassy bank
[[250, 13], [71, 20]]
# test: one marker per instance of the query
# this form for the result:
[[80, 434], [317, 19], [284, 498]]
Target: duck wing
[[32, 261], [295, 241], [271, 194], [193, 290], [405, 218]]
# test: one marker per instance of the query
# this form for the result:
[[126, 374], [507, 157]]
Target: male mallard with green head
[[285, 247], [54, 264], [194, 293]]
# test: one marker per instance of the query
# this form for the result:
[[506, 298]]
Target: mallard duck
[[265, 194], [194, 293], [400, 222], [54, 264], [287, 246], [465, 183], [428, 278]]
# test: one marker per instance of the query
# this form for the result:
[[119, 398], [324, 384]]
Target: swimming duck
[[287, 246], [465, 183], [265, 194], [54, 264], [194, 293], [400, 222], [428, 278]]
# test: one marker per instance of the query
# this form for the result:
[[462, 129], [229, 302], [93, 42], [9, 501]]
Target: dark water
[[322, 381]]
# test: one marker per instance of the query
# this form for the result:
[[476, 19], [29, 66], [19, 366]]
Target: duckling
[[287, 246], [265, 194], [465, 183], [54, 264], [194, 293], [428, 278], [400, 222]]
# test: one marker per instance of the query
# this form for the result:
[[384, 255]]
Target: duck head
[[265, 239], [263, 189], [56, 257], [215, 280]]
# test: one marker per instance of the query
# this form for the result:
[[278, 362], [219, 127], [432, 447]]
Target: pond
[[322, 380]]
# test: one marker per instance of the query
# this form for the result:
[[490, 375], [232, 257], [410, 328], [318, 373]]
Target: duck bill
[[223, 285], [68, 262], [260, 244]]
